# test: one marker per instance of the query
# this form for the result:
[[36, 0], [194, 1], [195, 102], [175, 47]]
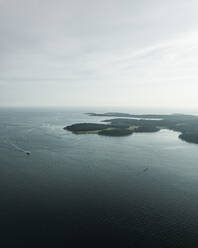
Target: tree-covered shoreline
[[128, 124]]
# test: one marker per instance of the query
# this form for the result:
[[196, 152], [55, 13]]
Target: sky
[[137, 53]]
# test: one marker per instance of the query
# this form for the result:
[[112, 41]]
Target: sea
[[86, 190]]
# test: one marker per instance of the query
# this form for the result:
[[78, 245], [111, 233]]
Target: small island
[[126, 124]]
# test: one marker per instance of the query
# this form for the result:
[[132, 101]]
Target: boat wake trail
[[19, 148]]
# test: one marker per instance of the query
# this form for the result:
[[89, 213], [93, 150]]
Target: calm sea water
[[91, 190]]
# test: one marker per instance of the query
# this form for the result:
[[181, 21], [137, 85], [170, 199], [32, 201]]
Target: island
[[123, 124]]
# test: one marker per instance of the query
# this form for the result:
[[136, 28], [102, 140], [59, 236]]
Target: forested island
[[126, 124]]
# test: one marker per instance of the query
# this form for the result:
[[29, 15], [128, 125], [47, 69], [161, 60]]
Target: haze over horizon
[[99, 53]]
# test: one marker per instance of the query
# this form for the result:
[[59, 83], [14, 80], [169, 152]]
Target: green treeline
[[127, 124]]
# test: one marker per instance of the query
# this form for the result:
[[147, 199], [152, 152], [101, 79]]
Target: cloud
[[115, 52]]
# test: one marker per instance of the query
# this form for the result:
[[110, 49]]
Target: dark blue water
[[90, 190]]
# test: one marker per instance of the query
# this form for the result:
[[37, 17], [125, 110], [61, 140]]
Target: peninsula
[[124, 124]]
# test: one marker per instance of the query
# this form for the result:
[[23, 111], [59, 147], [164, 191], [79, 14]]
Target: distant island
[[127, 124]]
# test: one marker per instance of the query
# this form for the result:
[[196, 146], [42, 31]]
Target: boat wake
[[20, 149]]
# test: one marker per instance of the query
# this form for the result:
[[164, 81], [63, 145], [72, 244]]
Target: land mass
[[126, 124]]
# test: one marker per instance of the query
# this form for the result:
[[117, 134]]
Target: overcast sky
[[99, 53]]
